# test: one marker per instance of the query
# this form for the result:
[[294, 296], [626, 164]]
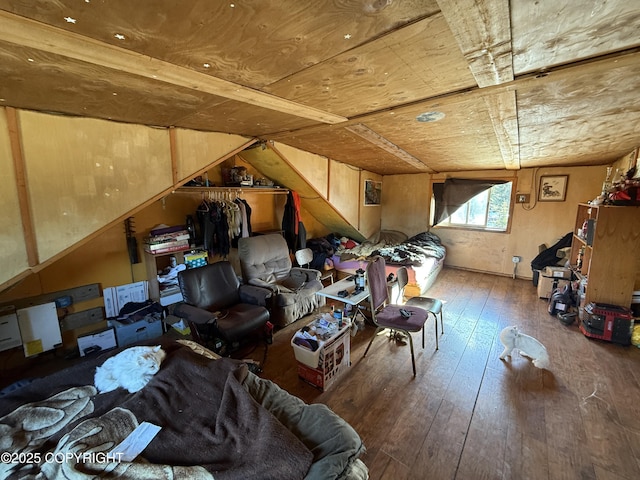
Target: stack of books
[[164, 239]]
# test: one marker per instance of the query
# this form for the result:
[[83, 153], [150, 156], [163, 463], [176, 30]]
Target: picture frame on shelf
[[372, 192], [553, 188]]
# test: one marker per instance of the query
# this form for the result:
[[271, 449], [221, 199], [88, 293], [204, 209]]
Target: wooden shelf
[[260, 190], [611, 264]]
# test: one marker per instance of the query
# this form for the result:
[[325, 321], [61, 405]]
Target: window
[[487, 210]]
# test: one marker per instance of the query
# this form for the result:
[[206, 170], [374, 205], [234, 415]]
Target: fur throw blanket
[[414, 250]]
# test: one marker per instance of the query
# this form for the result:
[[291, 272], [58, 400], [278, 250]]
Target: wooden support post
[[21, 183]]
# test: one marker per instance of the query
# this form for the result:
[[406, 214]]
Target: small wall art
[[553, 188], [372, 192]]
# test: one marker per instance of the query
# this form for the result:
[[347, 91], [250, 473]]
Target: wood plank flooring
[[469, 415]]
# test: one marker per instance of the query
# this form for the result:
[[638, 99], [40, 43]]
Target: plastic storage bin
[[128, 333], [328, 363]]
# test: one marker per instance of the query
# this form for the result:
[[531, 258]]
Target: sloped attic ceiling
[[388, 86]]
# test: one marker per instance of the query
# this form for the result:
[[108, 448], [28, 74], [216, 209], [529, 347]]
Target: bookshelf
[[610, 252]]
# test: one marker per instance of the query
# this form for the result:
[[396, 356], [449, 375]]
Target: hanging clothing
[[244, 227], [301, 239], [222, 222], [291, 220], [247, 209]]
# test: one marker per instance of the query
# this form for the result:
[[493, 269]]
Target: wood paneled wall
[[406, 207], [78, 176], [12, 245]]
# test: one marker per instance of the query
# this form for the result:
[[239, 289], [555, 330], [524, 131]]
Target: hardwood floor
[[469, 415]]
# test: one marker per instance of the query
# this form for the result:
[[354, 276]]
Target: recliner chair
[[265, 262], [217, 305]]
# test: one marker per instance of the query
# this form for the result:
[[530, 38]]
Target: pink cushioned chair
[[406, 319]]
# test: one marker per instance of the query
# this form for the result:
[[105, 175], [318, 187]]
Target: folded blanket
[[211, 426]]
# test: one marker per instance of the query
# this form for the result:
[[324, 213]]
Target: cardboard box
[[70, 337], [97, 342], [557, 272], [334, 359], [546, 285]]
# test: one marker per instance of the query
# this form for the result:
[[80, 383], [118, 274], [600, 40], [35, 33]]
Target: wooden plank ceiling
[[388, 86]]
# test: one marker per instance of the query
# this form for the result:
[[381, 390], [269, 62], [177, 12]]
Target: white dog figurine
[[528, 346]]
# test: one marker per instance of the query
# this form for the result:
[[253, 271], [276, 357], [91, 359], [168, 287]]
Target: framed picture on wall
[[553, 188], [372, 192]]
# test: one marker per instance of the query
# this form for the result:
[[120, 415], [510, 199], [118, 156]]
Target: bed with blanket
[[218, 421], [423, 255]]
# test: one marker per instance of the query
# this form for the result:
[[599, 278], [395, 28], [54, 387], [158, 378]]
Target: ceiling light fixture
[[119, 36], [69, 20], [347, 36], [206, 65], [430, 117]]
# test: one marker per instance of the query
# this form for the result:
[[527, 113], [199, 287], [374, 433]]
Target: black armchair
[[216, 305]]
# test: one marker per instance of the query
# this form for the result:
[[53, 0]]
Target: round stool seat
[[432, 305]]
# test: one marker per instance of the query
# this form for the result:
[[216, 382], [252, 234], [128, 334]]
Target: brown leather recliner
[[216, 304], [265, 262]]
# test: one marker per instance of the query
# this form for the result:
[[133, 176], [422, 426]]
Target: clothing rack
[[237, 191]]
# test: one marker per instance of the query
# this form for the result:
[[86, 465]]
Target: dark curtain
[[455, 192]]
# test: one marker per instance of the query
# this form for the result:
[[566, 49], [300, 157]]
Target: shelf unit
[[233, 190], [611, 252], [156, 263]]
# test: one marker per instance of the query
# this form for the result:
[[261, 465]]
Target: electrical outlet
[[522, 197], [516, 259]]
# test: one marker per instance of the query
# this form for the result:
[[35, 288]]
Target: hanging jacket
[[291, 219]]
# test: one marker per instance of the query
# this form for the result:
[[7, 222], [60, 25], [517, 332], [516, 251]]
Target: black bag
[[548, 257], [134, 311], [560, 300]]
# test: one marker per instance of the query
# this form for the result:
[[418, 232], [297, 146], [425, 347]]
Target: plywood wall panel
[[197, 149], [84, 173], [274, 164], [370, 215], [344, 186], [406, 200], [532, 224], [314, 168], [13, 254]]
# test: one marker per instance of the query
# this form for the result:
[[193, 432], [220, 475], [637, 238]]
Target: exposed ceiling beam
[[381, 142], [39, 36], [504, 119], [483, 32]]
